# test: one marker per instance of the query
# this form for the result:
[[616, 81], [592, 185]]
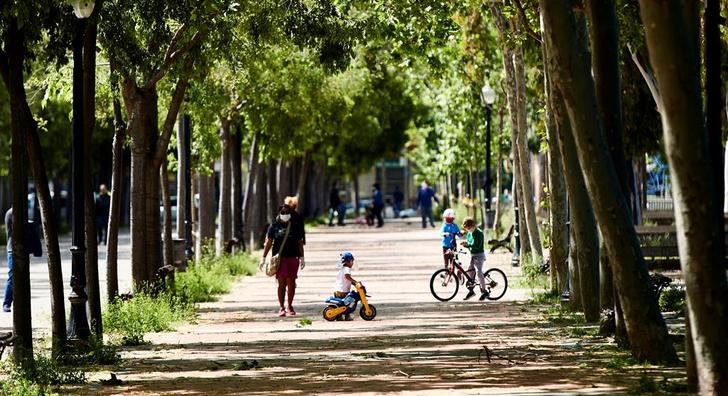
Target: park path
[[415, 345]]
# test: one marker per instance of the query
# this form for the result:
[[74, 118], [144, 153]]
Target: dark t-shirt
[[103, 201], [277, 232]]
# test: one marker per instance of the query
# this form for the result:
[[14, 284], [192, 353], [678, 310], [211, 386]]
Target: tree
[[671, 31], [646, 328]]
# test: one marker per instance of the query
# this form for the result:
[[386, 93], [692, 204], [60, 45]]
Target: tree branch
[[648, 76], [174, 106], [524, 21], [172, 56]]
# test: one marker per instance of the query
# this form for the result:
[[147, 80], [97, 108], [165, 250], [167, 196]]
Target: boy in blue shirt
[[449, 231]]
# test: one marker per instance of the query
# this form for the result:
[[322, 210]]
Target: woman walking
[[285, 239]]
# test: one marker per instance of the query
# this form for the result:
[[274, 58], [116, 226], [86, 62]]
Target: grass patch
[[304, 323], [647, 385], [563, 316], [46, 374], [672, 299], [549, 297], [582, 332], [145, 313], [211, 276]]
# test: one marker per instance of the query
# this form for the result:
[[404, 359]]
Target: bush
[[672, 299], [145, 313], [212, 276], [46, 372]]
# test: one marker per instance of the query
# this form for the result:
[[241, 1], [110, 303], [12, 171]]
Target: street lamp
[[487, 97], [78, 327]]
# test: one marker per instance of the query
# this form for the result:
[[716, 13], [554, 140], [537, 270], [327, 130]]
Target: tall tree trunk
[[259, 211], [167, 248], [253, 167], [606, 280], [117, 174], [498, 191], [237, 183], [181, 179], [356, 195], [575, 299], [225, 217], [566, 41], [672, 33], [22, 325], [302, 178], [529, 208], [206, 216], [89, 119], [273, 189]]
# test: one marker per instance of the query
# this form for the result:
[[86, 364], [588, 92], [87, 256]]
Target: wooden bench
[[504, 243], [659, 217], [6, 340]]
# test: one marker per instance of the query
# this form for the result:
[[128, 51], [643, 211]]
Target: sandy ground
[[416, 345]]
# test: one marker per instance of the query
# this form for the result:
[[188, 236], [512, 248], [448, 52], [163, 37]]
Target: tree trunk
[[237, 183], [167, 248], [498, 191], [253, 167], [575, 294], [181, 179], [225, 217], [672, 33], [583, 223], [273, 189], [529, 209], [566, 41], [303, 174], [89, 118], [22, 325], [606, 280], [356, 195], [206, 217], [259, 211], [117, 173]]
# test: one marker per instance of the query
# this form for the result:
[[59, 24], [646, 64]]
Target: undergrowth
[[147, 312], [672, 299], [41, 379]]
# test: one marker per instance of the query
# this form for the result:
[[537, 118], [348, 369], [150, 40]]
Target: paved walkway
[[415, 345]]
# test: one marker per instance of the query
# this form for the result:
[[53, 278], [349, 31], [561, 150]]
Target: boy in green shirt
[[475, 242]]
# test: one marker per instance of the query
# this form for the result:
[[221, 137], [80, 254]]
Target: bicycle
[[445, 282]]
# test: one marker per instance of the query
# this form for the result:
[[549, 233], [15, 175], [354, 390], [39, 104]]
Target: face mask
[[284, 217]]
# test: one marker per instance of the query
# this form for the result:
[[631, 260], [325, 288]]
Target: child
[[344, 279], [475, 241], [448, 231]]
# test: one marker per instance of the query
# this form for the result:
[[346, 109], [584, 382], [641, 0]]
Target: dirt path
[[415, 345]]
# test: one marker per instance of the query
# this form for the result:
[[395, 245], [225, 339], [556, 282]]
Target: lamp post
[[189, 251], [487, 97], [78, 327]]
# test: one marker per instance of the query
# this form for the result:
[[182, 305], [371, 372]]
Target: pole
[[488, 181], [78, 327], [189, 251]]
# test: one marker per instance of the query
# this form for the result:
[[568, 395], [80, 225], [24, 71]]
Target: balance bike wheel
[[363, 313], [329, 314]]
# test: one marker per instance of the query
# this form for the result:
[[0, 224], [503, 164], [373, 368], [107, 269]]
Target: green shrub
[[672, 299], [46, 372], [145, 313], [212, 276]]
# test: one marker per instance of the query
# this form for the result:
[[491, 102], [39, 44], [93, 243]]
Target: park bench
[[659, 246], [504, 243], [659, 217]]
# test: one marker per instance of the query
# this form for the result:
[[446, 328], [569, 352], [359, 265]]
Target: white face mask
[[284, 217]]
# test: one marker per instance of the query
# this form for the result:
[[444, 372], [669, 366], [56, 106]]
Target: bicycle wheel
[[444, 285], [496, 283]]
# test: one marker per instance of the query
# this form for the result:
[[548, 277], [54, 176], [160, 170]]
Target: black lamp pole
[[189, 252], [488, 221], [78, 327]]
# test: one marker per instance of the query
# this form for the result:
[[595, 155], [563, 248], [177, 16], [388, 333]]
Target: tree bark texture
[[181, 179], [581, 213], [225, 208], [89, 120], [567, 43], [302, 178], [259, 211], [167, 248], [606, 280], [237, 183], [671, 34], [117, 175], [22, 325], [575, 300], [253, 167], [206, 216], [273, 201]]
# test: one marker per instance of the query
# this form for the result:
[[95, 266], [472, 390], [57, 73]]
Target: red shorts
[[288, 268]]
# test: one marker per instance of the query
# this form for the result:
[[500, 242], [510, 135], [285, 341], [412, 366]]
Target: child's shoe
[[348, 318], [484, 296], [470, 294]]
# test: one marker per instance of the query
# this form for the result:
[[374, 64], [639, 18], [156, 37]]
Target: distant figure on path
[[103, 202], [336, 206], [398, 199], [8, 298], [378, 204], [425, 195], [284, 238]]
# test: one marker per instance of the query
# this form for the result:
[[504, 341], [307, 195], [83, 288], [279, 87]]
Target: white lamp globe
[[83, 8], [487, 95]]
